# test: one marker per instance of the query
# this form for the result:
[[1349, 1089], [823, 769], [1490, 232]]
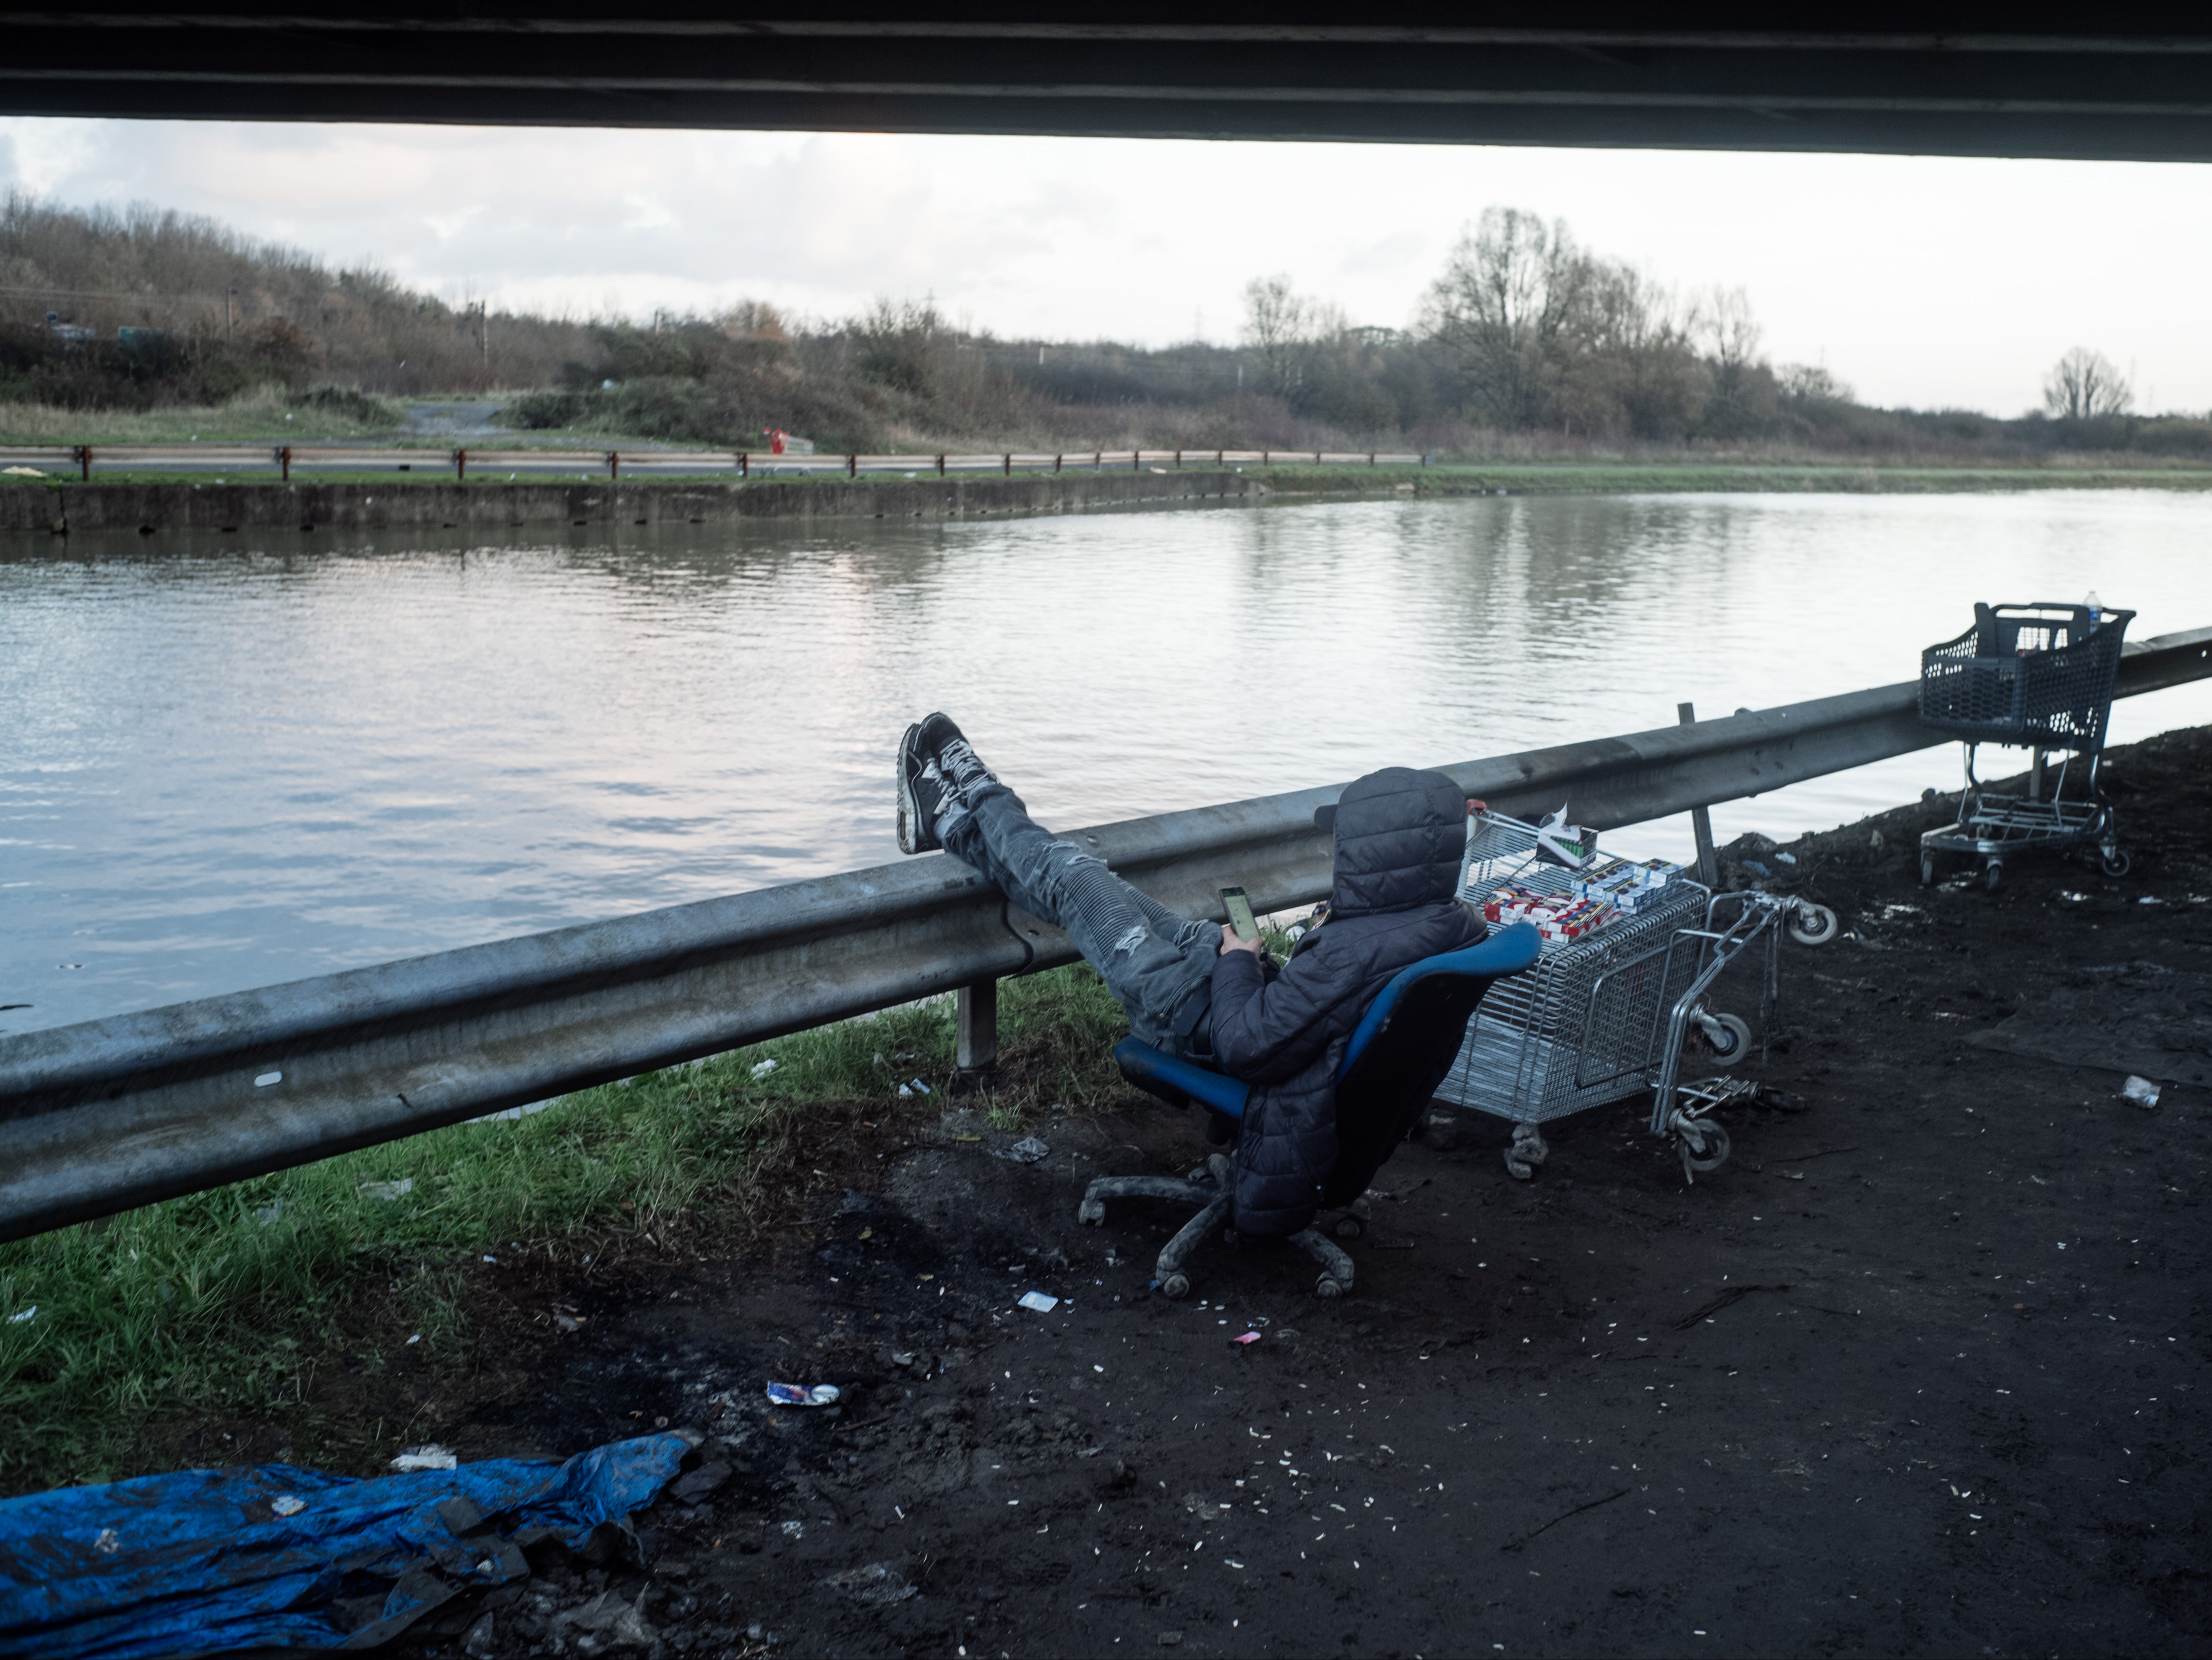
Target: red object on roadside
[[776, 435]]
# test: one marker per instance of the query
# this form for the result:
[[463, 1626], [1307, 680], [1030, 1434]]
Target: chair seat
[[1176, 1080]]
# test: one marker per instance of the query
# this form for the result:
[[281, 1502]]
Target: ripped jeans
[[1158, 965]]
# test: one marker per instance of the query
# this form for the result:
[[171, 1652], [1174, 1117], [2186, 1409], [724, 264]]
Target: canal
[[235, 760]]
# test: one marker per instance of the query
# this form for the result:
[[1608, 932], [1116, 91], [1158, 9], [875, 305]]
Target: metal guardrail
[[116, 1113], [283, 460]]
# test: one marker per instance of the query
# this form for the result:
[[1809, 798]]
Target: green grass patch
[[224, 1304], [1608, 478], [431, 465]]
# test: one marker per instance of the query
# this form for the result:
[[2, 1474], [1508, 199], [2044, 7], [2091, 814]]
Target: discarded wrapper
[[2141, 1091], [1249, 1337], [1027, 1150], [430, 1456], [761, 1068], [795, 1394], [1039, 1301]]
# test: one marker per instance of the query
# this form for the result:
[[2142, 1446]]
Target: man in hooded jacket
[[1195, 988]]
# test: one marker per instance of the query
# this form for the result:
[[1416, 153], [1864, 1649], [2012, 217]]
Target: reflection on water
[[235, 760]]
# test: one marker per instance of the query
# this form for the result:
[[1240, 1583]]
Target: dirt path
[[1921, 1369]]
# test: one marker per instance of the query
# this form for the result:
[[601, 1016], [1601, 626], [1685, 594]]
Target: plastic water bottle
[[2094, 607]]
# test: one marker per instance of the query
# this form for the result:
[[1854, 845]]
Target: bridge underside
[[1961, 80]]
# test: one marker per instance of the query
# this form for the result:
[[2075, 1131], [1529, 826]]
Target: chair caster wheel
[[1176, 1287], [1528, 1150], [1092, 1213], [1327, 1286]]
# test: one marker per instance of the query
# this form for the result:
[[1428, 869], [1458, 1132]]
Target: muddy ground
[[1921, 1369]]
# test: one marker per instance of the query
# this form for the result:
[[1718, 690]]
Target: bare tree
[[1514, 306], [1279, 323], [2083, 385]]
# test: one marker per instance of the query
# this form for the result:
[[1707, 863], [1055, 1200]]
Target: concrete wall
[[488, 505]]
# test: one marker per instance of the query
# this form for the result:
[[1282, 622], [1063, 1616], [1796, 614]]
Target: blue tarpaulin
[[204, 1561]]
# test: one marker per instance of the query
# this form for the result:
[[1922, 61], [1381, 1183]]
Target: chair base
[[1207, 1189]]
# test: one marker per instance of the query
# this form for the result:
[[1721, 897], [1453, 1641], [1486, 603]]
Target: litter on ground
[[799, 1395]]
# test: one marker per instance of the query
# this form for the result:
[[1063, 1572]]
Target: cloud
[[1929, 281]]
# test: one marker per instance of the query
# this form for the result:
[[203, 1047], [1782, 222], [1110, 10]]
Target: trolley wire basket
[[1608, 1014], [2038, 676], [1582, 1026]]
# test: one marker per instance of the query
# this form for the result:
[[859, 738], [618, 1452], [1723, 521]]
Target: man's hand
[[1231, 940]]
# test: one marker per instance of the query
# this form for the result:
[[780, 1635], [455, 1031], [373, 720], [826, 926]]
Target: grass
[[222, 1304], [1621, 478], [1516, 478]]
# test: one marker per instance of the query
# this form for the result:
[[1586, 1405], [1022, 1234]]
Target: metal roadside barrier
[[116, 1113], [283, 460]]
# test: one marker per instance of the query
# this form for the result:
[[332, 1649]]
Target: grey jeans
[[1158, 965]]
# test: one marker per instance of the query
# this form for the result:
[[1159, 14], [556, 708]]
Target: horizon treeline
[[1525, 343]]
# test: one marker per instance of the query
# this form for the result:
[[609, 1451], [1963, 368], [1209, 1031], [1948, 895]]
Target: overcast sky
[[1928, 283]]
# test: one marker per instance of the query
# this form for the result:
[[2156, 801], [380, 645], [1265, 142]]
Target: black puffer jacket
[[1398, 836]]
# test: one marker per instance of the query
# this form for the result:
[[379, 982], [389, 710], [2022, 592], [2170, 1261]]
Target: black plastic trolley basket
[[2036, 677]]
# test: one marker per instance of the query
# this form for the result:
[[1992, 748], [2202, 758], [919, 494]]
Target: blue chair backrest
[[1405, 1045]]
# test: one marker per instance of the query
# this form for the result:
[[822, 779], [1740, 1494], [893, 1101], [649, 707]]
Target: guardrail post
[[460, 465], [744, 464], [614, 464], [941, 466], [1371, 457], [1098, 461], [84, 461], [1178, 461], [1136, 460], [1010, 466], [1263, 458], [851, 466], [1701, 821], [975, 1030], [1056, 460], [284, 460], [1317, 458]]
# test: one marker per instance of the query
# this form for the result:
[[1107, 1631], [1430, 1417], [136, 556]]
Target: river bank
[[387, 501], [1931, 1331]]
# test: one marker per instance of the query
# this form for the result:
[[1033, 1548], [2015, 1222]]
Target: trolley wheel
[[1176, 1286], [1349, 1227], [1092, 1213], [1992, 874], [2114, 863], [1732, 1041], [1927, 870], [1327, 1286], [1705, 1146], [1812, 925]]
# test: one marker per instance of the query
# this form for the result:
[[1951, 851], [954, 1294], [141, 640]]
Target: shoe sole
[[914, 836]]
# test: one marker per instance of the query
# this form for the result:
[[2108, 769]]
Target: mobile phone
[[1240, 913]]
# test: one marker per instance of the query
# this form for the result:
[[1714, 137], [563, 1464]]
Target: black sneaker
[[924, 789], [958, 760]]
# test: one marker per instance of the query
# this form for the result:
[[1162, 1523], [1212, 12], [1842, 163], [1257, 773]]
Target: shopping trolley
[[2034, 677], [1609, 1014]]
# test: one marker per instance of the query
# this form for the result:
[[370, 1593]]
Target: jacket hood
[[1398, 836]]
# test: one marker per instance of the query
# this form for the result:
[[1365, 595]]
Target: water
[[230, 761]]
